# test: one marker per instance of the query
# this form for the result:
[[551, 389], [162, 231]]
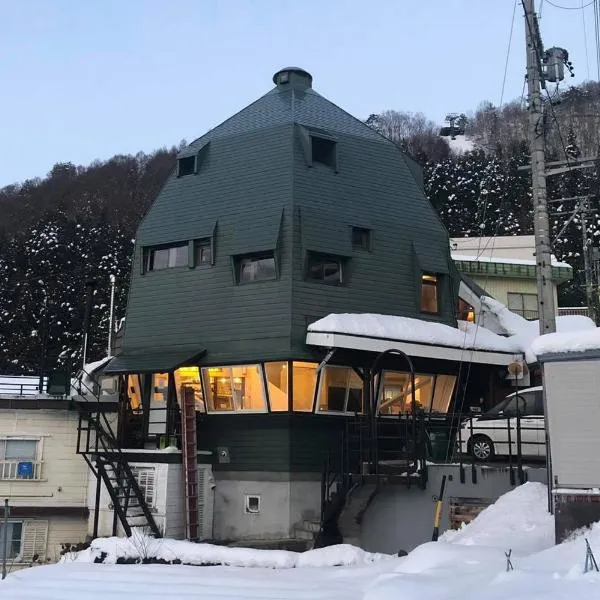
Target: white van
[[487, 436]]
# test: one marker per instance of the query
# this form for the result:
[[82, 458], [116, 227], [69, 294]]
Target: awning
[[157, 361], [258, 232], [431, 257], [324, 233]]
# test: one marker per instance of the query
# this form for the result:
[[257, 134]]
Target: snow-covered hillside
[[468, 564]]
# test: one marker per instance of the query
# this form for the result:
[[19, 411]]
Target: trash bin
[[438, 446]]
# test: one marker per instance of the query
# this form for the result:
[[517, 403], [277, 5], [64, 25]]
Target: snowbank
[[140, 547], [518, 520]]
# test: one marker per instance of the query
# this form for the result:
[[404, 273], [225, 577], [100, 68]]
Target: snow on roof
[[526, 333], [413, 330], [504, 260], [570, 341]]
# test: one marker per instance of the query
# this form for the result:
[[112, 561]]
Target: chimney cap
[[294, 76]]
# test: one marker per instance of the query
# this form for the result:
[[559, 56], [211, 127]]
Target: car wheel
[[481, 448]]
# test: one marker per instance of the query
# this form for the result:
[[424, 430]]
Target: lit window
[[234, 389], [305, 380], [277, 385], [326, 269], [157, 423], [187, 381], [186, 166], [12, 532], [361, 238], [442, 395], [168, 257], [323, 151], [256, 268], [203, 252], [525, 305], [430, 296], [340, 390], [465, 311], [395, 394], [134, 393]]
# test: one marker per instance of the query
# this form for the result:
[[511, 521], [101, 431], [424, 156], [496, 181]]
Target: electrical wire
[[551, 3], [597, 34], [510, 36], [587, 56]]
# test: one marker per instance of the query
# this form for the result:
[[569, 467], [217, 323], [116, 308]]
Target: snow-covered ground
[[468, 564]]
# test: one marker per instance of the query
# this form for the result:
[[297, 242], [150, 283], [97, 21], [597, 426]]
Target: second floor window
[[260, 267], [168, 257], [202, 252], [525, 305], [323, 268], [18, 459]]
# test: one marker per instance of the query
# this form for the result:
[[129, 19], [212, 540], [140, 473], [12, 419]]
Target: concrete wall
[[402, 518], [285, 501]]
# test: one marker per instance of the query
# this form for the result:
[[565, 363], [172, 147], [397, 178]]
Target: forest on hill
[[79, 222]]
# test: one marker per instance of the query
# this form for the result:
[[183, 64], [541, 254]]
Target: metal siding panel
[[573, 417]]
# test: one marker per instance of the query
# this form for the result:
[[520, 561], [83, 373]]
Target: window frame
[[319, 388], [522, 311], [437, 284], [323, 258], [194, 171], [149, 256], [332, 163], [19, 554], [37, 461], [368, 246], [240, 258], [200, 244], [208, 400]]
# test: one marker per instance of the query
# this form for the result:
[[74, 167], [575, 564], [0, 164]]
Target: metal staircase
[[98, 445], [189, 448]]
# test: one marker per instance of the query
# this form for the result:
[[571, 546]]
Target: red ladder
[[189, 448]]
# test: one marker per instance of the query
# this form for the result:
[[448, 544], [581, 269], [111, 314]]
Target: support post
[[5, 538], [541, 223]]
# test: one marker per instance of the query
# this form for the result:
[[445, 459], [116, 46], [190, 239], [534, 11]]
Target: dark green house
[[289, 211]]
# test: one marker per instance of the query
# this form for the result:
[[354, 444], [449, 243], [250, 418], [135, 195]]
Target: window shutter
[[146, 478], [35, 538]]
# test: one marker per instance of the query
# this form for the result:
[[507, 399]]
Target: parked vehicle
[[487, 436]]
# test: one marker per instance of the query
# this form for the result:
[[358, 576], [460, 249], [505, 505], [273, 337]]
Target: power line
[[570, 7], [512, 26], [587, 56], [597, 34]]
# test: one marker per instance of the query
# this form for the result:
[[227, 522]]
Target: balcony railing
[[18, 470], [21, 386], [574, 310]]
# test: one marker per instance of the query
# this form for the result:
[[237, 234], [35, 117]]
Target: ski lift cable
[[587, 56], [551, 3], [510, 36]]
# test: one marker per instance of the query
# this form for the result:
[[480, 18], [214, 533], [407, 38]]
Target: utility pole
[[587, 264], [541, 222]]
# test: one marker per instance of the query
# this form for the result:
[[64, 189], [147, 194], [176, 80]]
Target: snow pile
[[140, 547], [518, 520], [571, 341], [410, 330]]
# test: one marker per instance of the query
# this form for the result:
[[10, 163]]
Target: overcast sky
[[85, 79]]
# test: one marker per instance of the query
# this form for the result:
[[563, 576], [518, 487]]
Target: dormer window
[[167, 257], [187, 165], [324, 151], [430, 294]]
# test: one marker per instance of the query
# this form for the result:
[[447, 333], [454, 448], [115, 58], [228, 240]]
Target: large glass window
[[442, 395], [255, 268], [340, 390], [167, 257], [277, 385], [234, 389], [187, 381], [430, 294], [304, 382], [11, 538], [395, 396]]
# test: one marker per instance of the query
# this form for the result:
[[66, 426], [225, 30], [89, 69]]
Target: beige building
[[43, 478], [505, 268]]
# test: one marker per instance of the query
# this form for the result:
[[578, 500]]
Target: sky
[[84, 80]]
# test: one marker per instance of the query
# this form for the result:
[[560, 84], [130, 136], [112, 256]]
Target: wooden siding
[[64, 473]]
